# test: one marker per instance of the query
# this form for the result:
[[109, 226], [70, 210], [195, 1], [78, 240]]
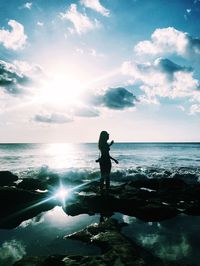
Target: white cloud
[[85, 111], [11, 251], [96, 5], [16, 78], [40, 24], [164, 41], [162, 78], [195, 108], [52, 118], [14, 39], [28, 5], [82, 23]]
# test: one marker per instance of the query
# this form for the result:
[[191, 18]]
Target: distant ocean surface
[[27, 160]]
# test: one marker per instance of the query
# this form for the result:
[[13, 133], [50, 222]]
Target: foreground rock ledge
[[148, 200], [116, 250]]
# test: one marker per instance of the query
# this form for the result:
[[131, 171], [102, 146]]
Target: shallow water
[[176, 239], [44, 235]]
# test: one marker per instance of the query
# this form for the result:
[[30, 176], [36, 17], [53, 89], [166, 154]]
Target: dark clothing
[[105, 165]]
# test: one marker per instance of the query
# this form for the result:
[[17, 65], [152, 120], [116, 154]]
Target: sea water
[[174, 239]]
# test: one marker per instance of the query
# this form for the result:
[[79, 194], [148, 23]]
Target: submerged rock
[[116, 249]]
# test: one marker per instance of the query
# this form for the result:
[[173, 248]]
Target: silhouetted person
[[105, 160]]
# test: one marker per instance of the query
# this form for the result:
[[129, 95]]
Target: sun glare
[[60, 91], [62, 193]]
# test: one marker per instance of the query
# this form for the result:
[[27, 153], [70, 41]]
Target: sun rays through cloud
[[84, 66]]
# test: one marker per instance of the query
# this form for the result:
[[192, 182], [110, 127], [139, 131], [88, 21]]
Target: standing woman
[[105, 159]]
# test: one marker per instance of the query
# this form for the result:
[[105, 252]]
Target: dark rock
[[18, 205], [116, 250], [172, 183], [7, 178], [189, 178], [32, 184], [41, 261], [194, 209], [146, 183], [155, 211], [155, 184]]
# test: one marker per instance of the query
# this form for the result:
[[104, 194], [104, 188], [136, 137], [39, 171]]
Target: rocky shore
[[154, 199]]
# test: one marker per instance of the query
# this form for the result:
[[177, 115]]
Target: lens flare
[[62, 193]]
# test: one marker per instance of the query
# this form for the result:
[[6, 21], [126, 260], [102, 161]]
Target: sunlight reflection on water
[[62, 155]]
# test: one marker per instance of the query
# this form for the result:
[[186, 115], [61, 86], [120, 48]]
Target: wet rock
[[7, 178], [172, 183], [116, 249], [41, 261], [155, 211], [188, 178], [18, 205], [193, 209], [147, 183], [148, 200], [32, 184]]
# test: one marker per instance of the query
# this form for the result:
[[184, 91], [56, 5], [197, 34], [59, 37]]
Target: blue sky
[[69, 69]]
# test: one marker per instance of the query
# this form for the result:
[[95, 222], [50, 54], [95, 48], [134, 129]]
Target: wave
[[78, 176]]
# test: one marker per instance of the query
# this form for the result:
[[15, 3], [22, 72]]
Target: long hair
[[102, 139]]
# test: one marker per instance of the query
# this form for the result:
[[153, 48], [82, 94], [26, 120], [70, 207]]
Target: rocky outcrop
[[146, 199], [116, 249], [7, 178], [18, 205], [33, 184]]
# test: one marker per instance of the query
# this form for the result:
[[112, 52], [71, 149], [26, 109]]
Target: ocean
[[29, 159], [176, 239]]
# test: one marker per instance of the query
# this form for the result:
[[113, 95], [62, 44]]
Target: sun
[[60, 90]]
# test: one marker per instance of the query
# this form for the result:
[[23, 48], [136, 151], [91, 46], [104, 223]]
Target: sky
[[70, 69]]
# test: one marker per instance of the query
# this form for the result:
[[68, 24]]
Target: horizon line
[[116, 142]]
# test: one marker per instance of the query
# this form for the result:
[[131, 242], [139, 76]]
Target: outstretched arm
[[114, 160], [111, 143]]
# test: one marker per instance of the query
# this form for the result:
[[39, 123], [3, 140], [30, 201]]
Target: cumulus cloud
[[14, 39], [163, 78], [12, 80], [96, 5], [17, 76], [11, 251], [114, 98], [169, 40], [81, 22], [53, 118]]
